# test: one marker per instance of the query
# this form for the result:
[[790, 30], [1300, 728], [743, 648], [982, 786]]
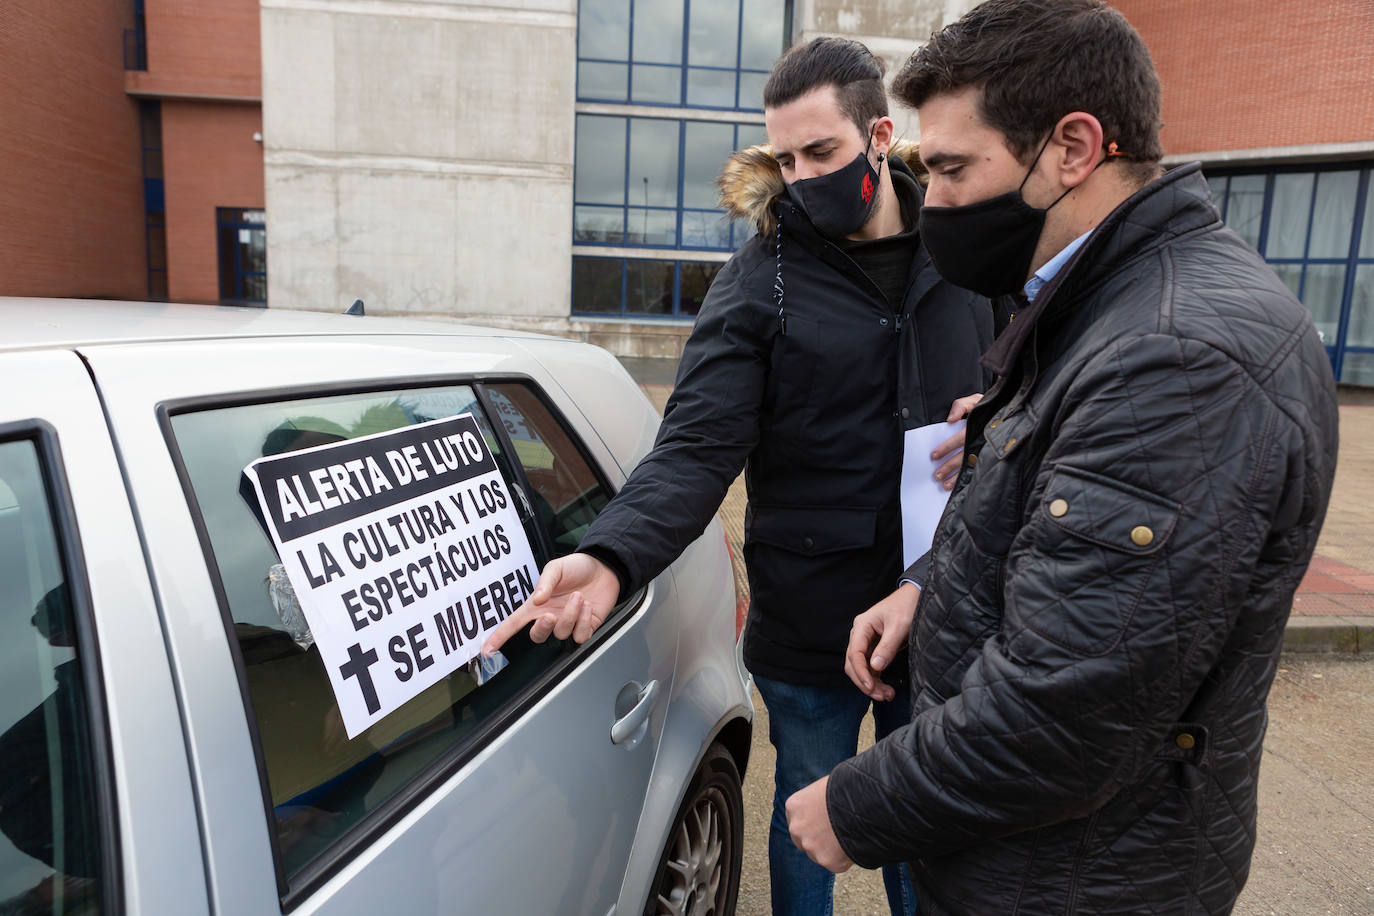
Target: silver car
[[170, 738]]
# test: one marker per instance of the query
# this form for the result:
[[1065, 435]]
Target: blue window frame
[[641, 287], [1315, 226], [154, 198], [242, 255], [685, 53], [650, 182]]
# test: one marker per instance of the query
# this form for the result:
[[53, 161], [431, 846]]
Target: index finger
[[517, 621], [953, 444]]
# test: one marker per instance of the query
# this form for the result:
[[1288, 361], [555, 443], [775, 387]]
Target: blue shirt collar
[[1051, 267]]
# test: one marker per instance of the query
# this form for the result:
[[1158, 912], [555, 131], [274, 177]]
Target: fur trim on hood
[[752, 180]]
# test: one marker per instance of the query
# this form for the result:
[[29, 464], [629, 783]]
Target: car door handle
[[628, 725]]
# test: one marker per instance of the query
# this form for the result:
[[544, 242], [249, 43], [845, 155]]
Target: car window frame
[[376, 823], [71, 559]]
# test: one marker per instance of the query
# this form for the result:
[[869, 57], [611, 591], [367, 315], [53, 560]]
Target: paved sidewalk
[[1334, 606]]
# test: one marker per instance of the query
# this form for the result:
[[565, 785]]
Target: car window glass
[[567, 494], [49, 851], [321, 783]]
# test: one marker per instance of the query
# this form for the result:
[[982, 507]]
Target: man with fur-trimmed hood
[[820, 343]]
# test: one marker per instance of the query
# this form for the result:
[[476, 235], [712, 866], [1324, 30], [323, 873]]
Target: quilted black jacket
[[1108, 587]]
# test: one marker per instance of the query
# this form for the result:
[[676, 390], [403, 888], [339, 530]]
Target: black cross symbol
[[356, 666]]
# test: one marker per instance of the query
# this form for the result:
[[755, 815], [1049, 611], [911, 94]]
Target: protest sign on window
[[404, 549]]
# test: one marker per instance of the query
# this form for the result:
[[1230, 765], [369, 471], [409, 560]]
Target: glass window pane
[[596, 285], [254, 288], [650, 227], [750, 135], [705, 229], [751, 90], [1321, 293], [648, 287], [603, 29], [599, 171], [741, 232], [708, 145], [762, 40], [1290, 274], [1218, 188], [660, 85], [653, 163], [1358, 369], [697, 277], [1290, 214], [49, 835], [658, 31], [1333, 215], [1360, 331], [566, 493], [599, 224], [711, 88], [1245, 207], [714, 33], [602, 81], [253, 253], [1367, 233], [322, 784]]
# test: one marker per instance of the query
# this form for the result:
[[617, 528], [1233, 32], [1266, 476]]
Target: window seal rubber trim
[[52, 470], [352, 842]]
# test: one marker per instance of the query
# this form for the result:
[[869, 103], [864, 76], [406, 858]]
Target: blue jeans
[[813, 729]]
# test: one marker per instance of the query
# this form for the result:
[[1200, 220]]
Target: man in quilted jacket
[[1104, 603]]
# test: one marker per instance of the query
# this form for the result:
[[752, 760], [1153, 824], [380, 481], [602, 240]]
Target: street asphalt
[[1315, 842]]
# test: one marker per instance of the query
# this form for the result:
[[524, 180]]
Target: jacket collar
[[1174, 205]]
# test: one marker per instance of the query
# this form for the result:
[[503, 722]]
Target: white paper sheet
[[923, 497]]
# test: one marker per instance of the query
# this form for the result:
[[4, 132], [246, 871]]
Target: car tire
[[698, 874]]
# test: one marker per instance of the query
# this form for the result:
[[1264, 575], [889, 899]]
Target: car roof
[[47, 323]]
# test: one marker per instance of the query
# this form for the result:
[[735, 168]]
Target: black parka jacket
[[799, 371], [1107, 592]]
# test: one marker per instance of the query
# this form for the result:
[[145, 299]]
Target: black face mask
[[838, 204], [986, 247]]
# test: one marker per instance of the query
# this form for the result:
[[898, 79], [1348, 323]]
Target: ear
[[1077, 138], [883, 129]]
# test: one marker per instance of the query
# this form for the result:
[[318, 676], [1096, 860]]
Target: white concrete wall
[[419, 155], [891, 29]]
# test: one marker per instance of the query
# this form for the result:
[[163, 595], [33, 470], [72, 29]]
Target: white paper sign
[[923, 497], [404, 549]]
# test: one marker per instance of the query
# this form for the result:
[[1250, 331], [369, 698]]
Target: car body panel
[[553, 775], [161, 855]]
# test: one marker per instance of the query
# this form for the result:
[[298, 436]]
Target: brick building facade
[[1276, 100], [72, 218]]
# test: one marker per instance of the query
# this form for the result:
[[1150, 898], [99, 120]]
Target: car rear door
[[79, 630], [505, 795]]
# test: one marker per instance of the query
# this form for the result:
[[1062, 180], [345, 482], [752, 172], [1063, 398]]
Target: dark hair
[[1038, 60], [851, 68]]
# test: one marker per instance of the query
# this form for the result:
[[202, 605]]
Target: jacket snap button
[[906, 412], [882, 321], [808, 543], [1010, 443], [1142, 537], [1185, 741], [972, 461], [1059, 507]]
